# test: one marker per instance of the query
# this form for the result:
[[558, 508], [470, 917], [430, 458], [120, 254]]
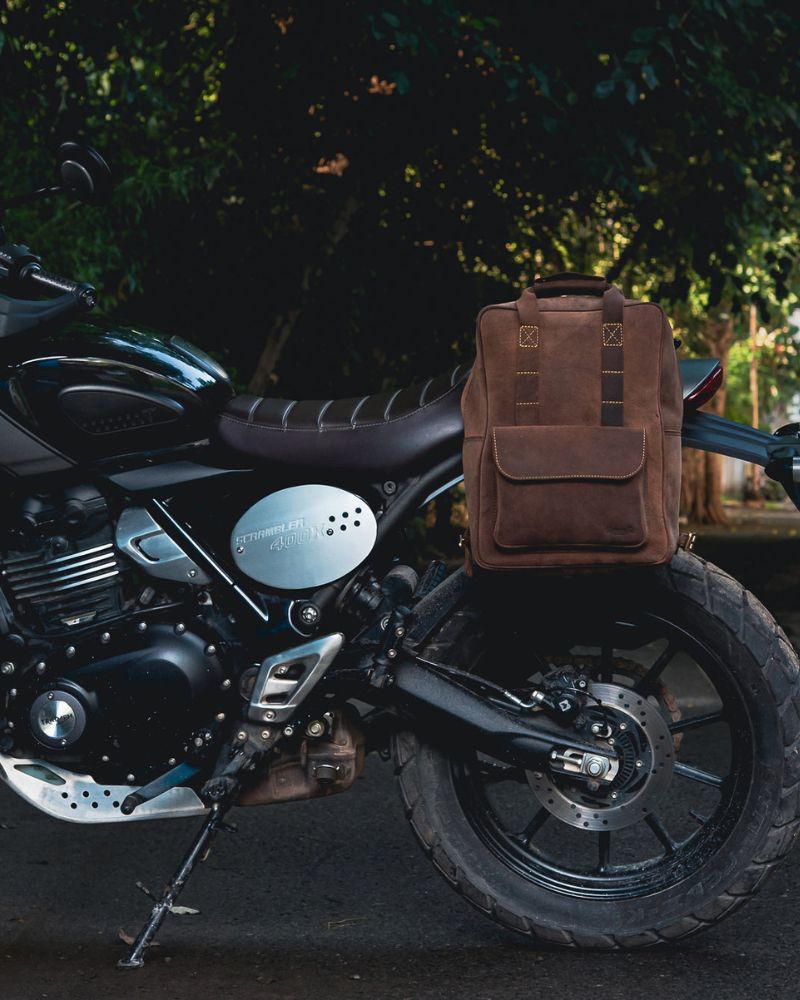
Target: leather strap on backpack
[[612, 361], [527, 374], [611, 352]]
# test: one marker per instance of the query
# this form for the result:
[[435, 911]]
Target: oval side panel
[[303, 537]]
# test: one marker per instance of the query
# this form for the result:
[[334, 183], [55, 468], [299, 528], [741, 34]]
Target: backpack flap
[[563, 487]]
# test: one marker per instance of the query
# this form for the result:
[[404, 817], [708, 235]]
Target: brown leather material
[[548, 453], [570, 283], [612, 361], [527, 402], [580, 514], [569, 486], [594, 479]]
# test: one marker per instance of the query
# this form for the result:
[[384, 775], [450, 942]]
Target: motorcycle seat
[[394, 430]]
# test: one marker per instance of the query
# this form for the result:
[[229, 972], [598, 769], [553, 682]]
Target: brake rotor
[[635, 671], [646, 755]]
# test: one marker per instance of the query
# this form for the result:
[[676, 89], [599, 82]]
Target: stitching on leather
[[354, 414], [388, 406], [612, 334], [310, 430], [528, 335], [627, 475], [527, 404], [527, 373], [428, 384], [322, 413], [255, 405], [609, 371], [612, 402], [287, 411]]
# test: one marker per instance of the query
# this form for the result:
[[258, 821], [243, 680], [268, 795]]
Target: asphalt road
[[325, 899], [334, 899]]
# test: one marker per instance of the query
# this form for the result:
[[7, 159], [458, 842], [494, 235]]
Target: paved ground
[[326, 899], [333, 899]]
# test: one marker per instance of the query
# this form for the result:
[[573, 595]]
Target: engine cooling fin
[[72, 589]]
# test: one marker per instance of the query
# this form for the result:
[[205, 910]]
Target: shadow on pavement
[[334, 899], [325, 898]]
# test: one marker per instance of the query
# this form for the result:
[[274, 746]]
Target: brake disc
[[646, 754], [632, 669]]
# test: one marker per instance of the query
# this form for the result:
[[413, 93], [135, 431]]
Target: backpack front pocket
[[561, 487]]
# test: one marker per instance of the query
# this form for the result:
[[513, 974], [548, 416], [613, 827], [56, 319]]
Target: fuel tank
[[96, 390]]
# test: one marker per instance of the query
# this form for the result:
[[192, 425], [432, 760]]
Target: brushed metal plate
[[303, 537], [78, 798]]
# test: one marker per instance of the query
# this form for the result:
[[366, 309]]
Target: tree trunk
[[701, 493], [284, 324], [753, 491]]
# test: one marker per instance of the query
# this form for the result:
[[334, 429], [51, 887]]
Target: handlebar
[[20, 266], [21, 270], [61, 286]]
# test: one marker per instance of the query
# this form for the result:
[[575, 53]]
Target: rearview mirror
[[83, 173]]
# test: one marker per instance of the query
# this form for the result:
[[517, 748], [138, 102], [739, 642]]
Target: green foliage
[[777, 367], [340, 170]]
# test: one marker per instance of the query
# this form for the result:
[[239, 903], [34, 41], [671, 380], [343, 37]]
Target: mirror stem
[[24, 199]]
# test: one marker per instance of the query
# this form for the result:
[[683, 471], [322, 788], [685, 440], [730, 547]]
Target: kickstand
[[201, 843]]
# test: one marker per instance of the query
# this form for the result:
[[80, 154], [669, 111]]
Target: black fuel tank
[[97, 390]]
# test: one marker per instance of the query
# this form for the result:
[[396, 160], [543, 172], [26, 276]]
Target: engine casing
[[131, 701]]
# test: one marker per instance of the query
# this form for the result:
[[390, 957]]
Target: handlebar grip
[[55, 283]]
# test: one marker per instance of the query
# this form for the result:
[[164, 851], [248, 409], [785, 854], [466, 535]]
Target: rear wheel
[[698, 689]]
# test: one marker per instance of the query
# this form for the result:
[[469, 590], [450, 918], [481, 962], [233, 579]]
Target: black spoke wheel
[[664, 841], [699, 688]]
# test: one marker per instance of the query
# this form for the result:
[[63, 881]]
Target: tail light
[[704, 390]]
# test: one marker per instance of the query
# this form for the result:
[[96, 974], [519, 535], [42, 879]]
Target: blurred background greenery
[[324, 194]]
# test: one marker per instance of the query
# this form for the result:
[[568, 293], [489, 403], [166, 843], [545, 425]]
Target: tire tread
[[749, 623]]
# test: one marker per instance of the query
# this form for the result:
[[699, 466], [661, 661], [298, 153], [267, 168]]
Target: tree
[[718, 332], [336, 188]]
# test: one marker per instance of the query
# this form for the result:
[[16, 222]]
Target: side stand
[[202, 841]]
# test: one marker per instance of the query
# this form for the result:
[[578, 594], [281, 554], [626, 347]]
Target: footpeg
[[180, 775], [430, 580]]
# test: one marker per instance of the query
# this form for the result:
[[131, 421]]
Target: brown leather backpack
[[572, 430]]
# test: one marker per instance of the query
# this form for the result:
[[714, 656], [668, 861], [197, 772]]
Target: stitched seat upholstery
[[387, 431]]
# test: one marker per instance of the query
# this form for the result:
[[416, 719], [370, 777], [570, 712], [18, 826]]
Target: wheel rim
[[677, 835]]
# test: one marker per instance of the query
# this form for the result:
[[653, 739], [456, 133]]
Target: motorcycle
[[203, 605]]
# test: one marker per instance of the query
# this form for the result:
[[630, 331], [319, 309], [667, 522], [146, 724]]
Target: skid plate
[[78, 798]]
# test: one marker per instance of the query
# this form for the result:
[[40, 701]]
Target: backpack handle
[[570, 283], [611, 354]]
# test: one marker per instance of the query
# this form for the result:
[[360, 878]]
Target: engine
[[105, 665], [135, 704], [60, 568]]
